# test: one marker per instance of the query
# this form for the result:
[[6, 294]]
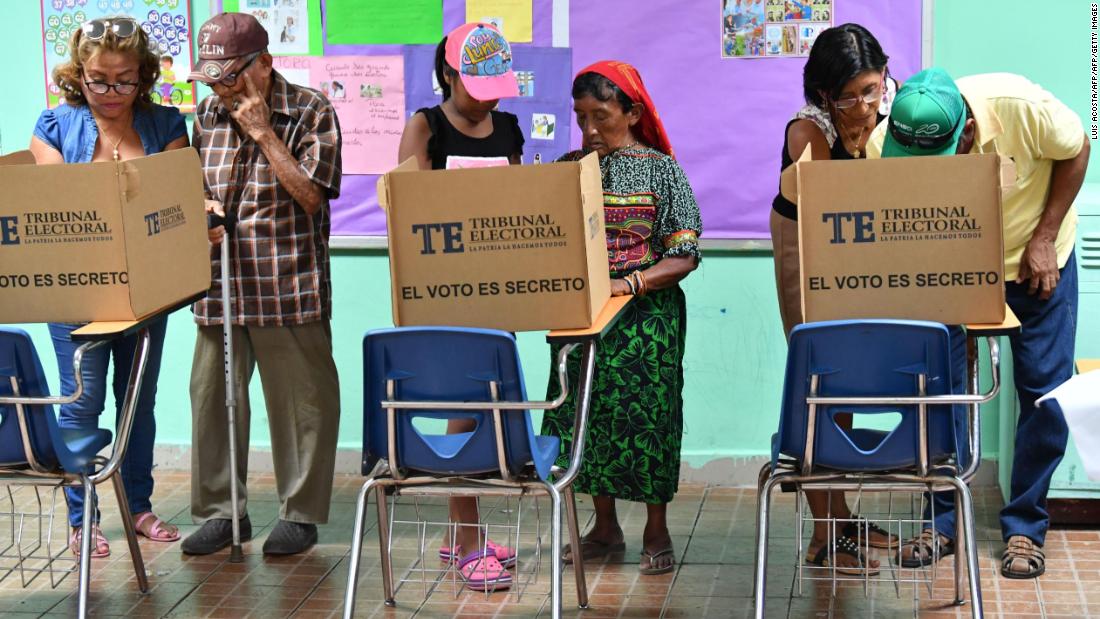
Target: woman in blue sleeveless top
[[107, 115]]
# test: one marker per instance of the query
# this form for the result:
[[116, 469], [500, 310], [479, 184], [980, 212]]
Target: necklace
[[114, 149], [855, 144]]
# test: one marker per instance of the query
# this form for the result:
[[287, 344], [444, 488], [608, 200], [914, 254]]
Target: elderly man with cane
[[270, 152]]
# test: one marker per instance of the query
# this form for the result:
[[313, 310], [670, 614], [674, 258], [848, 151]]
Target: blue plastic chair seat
[[448, 364], [868, 358], [69, 449]]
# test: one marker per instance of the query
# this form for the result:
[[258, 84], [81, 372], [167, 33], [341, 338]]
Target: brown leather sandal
[[1023, 559], [925, 549]]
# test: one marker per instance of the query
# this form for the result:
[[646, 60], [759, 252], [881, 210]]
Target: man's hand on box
[[619, 287], [1039, 267], [215, 234], [251, 111]]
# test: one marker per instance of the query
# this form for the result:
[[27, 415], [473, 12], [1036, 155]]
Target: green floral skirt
[[632, 450]]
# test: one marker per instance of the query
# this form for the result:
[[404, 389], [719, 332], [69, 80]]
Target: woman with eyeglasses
[[107, 115], [848, 90]]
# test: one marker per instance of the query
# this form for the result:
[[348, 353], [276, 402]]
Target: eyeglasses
[[102, 88], [934, 142], [869, 98], [121, 27], [231, 79]]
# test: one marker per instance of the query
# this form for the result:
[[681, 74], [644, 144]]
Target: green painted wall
[[1046, 41], [735, 350]]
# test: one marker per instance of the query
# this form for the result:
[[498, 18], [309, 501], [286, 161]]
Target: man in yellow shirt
[[1007, 114]]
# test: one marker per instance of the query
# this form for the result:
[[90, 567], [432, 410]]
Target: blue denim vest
[[71, 129]]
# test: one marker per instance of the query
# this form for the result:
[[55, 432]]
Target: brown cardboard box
[[521, 248], [916, 237], [100, 241]]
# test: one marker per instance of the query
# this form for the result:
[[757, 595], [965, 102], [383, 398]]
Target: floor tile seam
[[195, 587], [679, 563], [317, 585]]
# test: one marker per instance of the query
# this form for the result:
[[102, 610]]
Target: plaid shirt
[[279, 254]]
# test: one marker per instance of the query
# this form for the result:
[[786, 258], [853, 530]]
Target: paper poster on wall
[[539, 108], [772, 28], [511, 17], [293, 26], [166, 22], [542, 126], [368, 94], [381, 22]]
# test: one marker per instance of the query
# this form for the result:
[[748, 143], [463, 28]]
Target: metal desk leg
[[383, 505], [131, 533], [575, 542]]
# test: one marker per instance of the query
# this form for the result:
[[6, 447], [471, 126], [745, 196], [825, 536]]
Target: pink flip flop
[[504, 554], [483, 572], [158, 531], [98, 541]]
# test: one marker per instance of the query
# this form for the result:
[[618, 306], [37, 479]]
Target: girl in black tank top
[[460, 132], [465, 132], [450, 148]]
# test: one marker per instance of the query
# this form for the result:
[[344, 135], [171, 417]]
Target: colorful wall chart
[[293, 26], [368, 94], [772, 28], [166, 22]]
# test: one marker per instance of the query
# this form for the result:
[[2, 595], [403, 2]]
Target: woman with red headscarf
[[653, 227]]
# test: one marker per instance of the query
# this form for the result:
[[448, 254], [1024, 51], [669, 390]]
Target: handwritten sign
[[368, 94]]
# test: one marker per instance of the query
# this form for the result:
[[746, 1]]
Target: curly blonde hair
[[70, 75]]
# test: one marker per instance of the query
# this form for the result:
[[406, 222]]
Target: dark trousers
[[1042, 356]]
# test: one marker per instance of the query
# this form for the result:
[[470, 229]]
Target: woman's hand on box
[[619, 287], [215, 234]]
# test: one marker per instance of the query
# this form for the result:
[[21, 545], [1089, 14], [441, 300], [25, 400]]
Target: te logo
[[9, 230], [152, 223], [451, 234], [862, 225]]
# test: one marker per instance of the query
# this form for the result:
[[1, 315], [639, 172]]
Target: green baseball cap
[[927, 117]]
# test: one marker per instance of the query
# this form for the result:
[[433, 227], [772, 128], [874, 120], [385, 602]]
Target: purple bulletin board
[[356, 212], [725, 117]]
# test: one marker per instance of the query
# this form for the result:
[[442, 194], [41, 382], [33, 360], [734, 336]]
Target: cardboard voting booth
[[916, 238], [519, 248], [100, 241]]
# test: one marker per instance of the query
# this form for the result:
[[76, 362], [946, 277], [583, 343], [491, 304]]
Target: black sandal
[[862, 529], [925, 550], [844, 546], [1033, 561]]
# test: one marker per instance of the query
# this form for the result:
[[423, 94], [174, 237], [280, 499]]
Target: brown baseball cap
[[224, 42]]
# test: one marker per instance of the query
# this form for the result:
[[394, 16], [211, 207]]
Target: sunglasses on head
[[121, 27], [934, 142]]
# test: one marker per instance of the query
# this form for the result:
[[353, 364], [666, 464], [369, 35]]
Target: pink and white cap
[[483, 59]]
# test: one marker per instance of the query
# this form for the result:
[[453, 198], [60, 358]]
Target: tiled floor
[[712, 529]]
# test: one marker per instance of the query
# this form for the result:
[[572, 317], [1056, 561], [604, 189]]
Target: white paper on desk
[[1079, 399]]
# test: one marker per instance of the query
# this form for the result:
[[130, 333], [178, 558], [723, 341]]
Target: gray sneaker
[[214, 535], [290, 538]]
